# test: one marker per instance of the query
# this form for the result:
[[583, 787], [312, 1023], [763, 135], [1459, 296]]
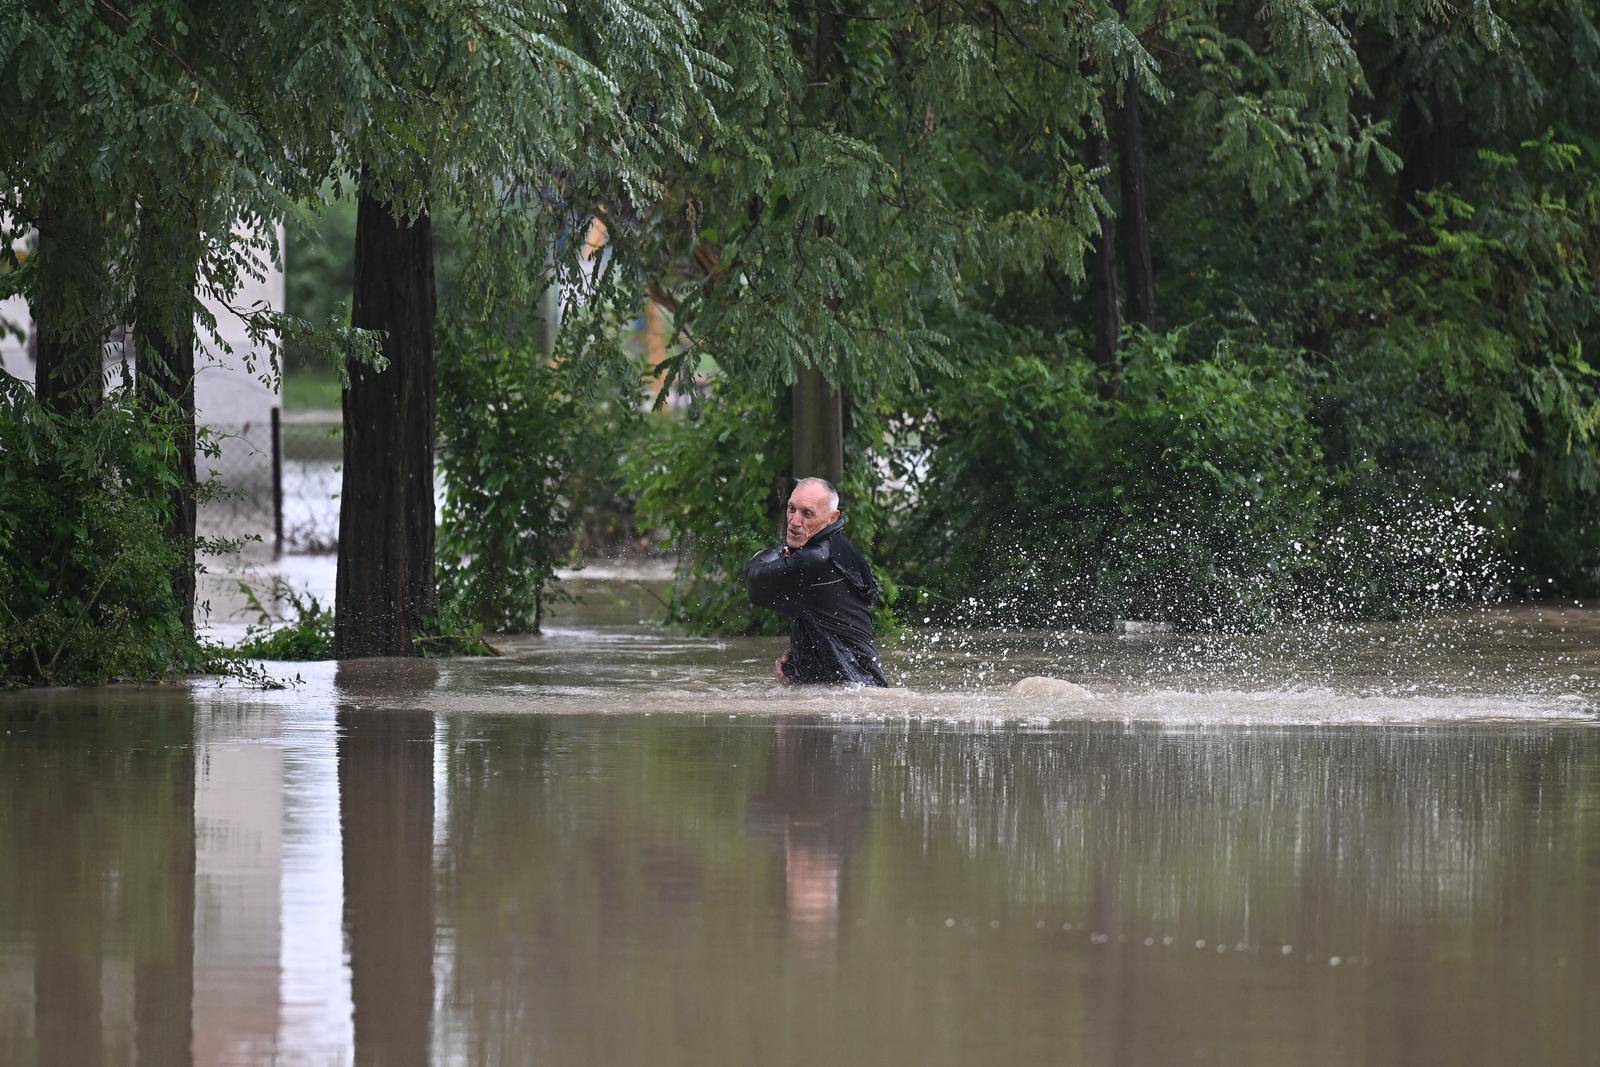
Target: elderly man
[[826, 588]]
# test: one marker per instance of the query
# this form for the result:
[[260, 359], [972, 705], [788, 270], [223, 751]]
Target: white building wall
[[14, 317], [225, 394]]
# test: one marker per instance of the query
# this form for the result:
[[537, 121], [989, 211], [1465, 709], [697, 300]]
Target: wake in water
[[1519, 664], [1079, 678]]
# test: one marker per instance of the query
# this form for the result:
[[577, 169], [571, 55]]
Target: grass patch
[[306, 634], [305, 630], [310, 390]]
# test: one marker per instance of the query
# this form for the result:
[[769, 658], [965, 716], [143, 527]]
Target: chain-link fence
[[278, 481]]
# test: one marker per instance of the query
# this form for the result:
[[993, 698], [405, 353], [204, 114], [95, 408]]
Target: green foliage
[[85, 564], [310, 389], [305, 631], [306, 634], [1374, 224], [711, 478], [511, 436], [1042, 499], [1450, 354], [448, 633], [319, 277]]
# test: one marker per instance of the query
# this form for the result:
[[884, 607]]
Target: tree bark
[[1428, 135], [385, 586], [818, 428], [70, 312], [1103, 275], [816, 407], [164, 328], [1133, 219]]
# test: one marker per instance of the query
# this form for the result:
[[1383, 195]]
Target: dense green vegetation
[[118, 615], [1350, 373], [1211, 312]]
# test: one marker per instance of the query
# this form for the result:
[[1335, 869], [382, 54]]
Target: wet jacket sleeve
[[784, 582]]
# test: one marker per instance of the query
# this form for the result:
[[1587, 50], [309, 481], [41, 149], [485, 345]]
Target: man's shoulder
[[813, 556], [844, 540]]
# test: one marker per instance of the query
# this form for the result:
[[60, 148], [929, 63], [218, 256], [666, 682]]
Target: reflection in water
[[239, 824], [97, 900], [1092, 893], [816, 800], [386, 823], [706, 889]]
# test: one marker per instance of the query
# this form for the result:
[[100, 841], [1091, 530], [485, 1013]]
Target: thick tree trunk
[[1134, 220], [164, 323], [816, 408], [818, 428], [1428, 136], [1103, 276], [385, 585], [70, 310]]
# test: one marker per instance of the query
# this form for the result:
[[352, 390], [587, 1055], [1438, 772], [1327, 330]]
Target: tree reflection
[[624, 889], [97, 839], [385, 761]]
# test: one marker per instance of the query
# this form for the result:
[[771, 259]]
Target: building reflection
[[238, 885], [385, 759], [270, 981]]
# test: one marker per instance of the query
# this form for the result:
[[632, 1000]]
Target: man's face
[[808, 513]]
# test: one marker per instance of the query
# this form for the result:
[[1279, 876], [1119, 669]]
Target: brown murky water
[[619, 846]]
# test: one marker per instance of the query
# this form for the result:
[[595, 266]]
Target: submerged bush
[[86, 567], [1047, 499], [511, 437], [302, 629], [305, 633]]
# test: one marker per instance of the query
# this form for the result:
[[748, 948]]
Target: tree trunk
[[1428, 135], [70, 311], [385, 585], [816, 409], [818, 428], [1103, 276], [164, 324], [1133, 219]]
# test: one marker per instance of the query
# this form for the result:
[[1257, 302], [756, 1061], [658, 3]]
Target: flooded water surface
[[614, 845]]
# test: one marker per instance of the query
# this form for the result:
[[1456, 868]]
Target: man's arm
[[781, 580]]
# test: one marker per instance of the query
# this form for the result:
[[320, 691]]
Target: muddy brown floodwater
[[616, 845]]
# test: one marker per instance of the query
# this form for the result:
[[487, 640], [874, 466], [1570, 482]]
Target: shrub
[[1172, 498], [307, 634], [511, 435], [85, 565]]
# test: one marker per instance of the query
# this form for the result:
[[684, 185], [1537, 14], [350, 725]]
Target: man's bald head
[[826, 486], [813, 504]]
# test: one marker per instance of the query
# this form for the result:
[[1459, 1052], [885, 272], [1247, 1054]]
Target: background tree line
[[1206, 311]]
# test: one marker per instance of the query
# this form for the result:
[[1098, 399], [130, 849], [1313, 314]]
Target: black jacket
[[827, 590]]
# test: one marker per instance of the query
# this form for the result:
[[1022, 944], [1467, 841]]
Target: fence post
[[277, 483]]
